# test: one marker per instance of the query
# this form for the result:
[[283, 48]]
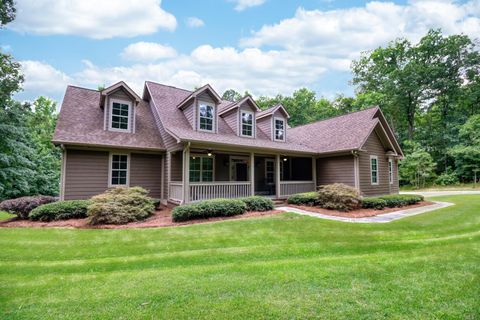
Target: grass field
[[281, 267]]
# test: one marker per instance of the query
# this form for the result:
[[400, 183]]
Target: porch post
[[168, 164], [186, 174], [314, 172], [252, 173], [277, 175]]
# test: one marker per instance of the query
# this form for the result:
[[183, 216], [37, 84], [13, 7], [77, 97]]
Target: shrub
[[156, 203], [22, 206], [209, 208], [257, 203], [306, 198], [61, 210], [401, 200], [120, 205], [446, 179], [373, 203], [338, 196]]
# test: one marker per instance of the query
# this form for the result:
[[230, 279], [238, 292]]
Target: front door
[[241, 169]]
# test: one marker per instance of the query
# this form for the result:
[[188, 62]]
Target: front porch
[[196, 174]]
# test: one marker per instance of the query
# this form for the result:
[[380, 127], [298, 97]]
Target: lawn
[[454, 187], [5, 215], [285, 266]]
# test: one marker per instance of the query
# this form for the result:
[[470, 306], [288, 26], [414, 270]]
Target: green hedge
[[61, 210], [401, 200], [22, 206], [208, 209], [306, 198], [257, 203], [373, 203]]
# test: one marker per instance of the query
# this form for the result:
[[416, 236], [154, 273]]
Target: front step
[[279, 202]]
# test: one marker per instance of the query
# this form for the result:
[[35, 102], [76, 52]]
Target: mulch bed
[[161, 218], [360, 213]]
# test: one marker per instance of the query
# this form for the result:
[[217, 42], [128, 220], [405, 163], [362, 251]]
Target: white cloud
[[41, 78], [92, 18], [147, 51], [194, 22], [244, 4]]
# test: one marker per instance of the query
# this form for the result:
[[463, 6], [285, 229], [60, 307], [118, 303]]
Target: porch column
[[168, 164], [186, 174], [252, 173], [277, 175], [314, 172]]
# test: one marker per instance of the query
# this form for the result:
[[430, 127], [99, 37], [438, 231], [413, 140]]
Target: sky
[[263, 46]]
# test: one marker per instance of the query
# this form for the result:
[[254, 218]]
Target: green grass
[[286, 266], [456, 187], [5, 215]]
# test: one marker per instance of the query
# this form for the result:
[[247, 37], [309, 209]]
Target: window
[[279, 126], [374, 169], [119, 170], [247, 124], [201, 169], [390, 171], [120, 115], [269, 171], [206, 117]]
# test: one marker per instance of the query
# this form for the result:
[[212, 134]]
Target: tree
[[10, 77], [417, 167], [231, 95], [7, 12], [467, 154]]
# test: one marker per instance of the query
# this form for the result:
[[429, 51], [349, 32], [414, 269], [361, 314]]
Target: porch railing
[[212, 190], [176, 191], [288, 188]]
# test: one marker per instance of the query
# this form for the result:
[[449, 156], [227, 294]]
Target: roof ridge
[[83, 88], [166, 85], [338, 116]]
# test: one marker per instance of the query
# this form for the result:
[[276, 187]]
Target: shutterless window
[[374, 169], [390, 171], [205, 113], [120, 115], [201, 169], [279, 129], [247, 123], [119, 169]]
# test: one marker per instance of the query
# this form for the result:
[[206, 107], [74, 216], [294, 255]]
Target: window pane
[[207, 164], [207, 176], [195, 176]]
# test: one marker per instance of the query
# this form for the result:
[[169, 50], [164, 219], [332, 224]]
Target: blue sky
[[263, 46]]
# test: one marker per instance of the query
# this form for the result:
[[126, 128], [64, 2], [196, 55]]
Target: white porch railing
[[211, 190], [176, 191], [288, 188]]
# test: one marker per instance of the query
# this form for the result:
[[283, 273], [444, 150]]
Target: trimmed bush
[[338, 196], [401, 200], [156, 203], [257, 203], [306, 198], [373, 203], [22, 206], [120, 205], [61, 210], [208, 209]]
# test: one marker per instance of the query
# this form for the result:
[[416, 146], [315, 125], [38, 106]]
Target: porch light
[[209, 153], [285, 159]]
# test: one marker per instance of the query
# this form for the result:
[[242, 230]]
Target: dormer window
[[120, 115], [279, 129], [206, 116], [247, 124]]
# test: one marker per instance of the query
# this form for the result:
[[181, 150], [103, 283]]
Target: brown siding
[[146, 171], [373, 146], [190, 115], [86, 173], [231, 118], [265, 124], [176, 163], [338, 169]]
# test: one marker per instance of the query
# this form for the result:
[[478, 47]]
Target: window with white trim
[[201, 169], [279, 129], [374, 170], [390, 171], [206, 117], [119, 170], [247, 124], [120, 115]]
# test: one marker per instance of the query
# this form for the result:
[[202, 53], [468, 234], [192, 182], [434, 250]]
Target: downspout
[[356, 169]]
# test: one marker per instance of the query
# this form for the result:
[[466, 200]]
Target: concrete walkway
[[381, 218], [442, 193]]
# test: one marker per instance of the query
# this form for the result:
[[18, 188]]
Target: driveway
[[442, 193]]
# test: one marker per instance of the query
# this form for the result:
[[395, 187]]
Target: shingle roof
[[347, 132], [81, 121]]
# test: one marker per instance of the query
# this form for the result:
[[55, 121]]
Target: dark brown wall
[[339, 169], [86, 173], [146, 172], [373, 146]]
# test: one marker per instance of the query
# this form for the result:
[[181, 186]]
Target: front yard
[[282, 266]]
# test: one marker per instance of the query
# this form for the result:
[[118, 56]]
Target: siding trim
[[63, 174], [356, 172], [377, 171]]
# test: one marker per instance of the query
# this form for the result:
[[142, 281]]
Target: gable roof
[[198, 92], [270, 111], [81, 122], [123, 85], [228, 106]]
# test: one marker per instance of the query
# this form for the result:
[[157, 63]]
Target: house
[[185, 146]]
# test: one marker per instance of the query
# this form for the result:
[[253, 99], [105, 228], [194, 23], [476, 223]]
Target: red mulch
[[360, 213], [161, 218]]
